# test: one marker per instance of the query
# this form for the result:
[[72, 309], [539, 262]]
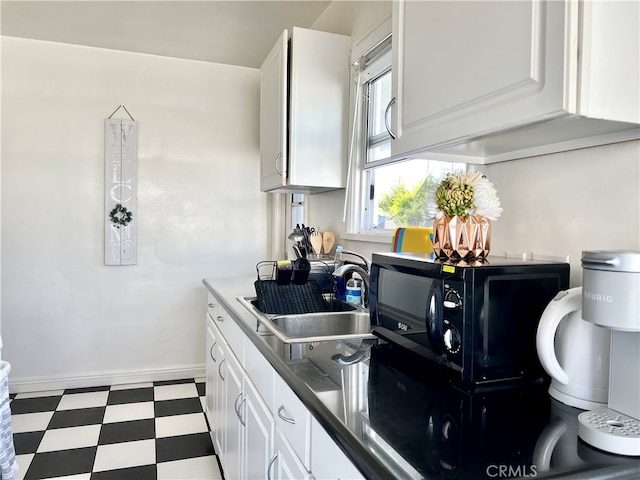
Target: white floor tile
[[128, 411], [68, 438], [130, 386], [83, 400], [180, 425], [80, 476], [23, 462], [30, 422], [199, 468], [124, 455], [170, 392], [48, 393]]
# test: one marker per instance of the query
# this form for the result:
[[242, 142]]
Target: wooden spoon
[[316, 242], [328, 239]]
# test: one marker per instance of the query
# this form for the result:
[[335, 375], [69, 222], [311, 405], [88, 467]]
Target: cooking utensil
[[316, 242], [328, 239], [296, 235]]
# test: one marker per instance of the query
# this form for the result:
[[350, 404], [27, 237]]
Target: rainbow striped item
[[412, 239]]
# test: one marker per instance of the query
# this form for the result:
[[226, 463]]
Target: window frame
[[368, 51], [371, 59]]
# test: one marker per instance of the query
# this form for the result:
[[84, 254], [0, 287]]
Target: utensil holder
[[301, 269]]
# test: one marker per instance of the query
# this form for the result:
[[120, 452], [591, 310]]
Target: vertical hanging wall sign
[[120, 161]]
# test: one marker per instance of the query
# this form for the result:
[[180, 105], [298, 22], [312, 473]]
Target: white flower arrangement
[[464, 194]]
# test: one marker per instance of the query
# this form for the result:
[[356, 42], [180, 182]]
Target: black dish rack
[[283, 293]]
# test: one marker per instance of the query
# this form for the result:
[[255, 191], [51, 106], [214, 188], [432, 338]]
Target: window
[[392, 192], [297, 210]]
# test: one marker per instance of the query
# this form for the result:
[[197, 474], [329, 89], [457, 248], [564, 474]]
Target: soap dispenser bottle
[[354, 290]]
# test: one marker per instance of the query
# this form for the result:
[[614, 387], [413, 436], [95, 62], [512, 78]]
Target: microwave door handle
[[434, 316]]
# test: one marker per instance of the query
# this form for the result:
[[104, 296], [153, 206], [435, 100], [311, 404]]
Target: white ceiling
[[235, 32]]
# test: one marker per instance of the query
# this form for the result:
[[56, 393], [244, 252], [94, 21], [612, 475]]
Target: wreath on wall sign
[[120, 215]]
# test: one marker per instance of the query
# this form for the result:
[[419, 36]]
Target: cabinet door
[[258, 431], [466, 68], [340, 467], [219, 399], [273, 116], [287, 465], [211, 368], [318, 108], [232, 379]]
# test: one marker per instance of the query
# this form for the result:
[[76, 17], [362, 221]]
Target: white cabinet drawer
[[212, 306], [260, 372], [293, 420], [231, 332]]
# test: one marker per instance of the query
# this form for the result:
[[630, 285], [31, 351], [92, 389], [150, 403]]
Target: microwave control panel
[[452, 323]]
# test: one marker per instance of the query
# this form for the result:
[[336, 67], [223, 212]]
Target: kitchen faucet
[[349, 267], [366, 261]]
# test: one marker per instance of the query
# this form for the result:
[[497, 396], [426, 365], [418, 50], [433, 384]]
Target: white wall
[[565, 203], [66, 318]]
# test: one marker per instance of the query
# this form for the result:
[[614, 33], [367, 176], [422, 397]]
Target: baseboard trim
[[42, 384]]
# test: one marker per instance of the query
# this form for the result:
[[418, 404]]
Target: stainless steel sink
[[314, 327]]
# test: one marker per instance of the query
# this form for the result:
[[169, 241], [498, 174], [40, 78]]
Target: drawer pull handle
[[212, 305], [271, 462], [219, 369], [211, 352], [220, 318], [237, 406], [283, 417]]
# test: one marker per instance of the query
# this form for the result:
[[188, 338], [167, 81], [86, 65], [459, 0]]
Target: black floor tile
[[64, 463], [179, 406], [183, 447], [127, 431], [134, 395], [34, 405], [201, 388], [27, 442], [145, 472], [77, 417], [87, 389], [159, 383], [61, 463]]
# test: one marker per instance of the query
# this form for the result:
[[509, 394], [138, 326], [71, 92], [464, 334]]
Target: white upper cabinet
[[304, 94], [496, 80], [273, 116]]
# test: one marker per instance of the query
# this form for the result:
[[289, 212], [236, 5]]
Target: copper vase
[[458, 238]]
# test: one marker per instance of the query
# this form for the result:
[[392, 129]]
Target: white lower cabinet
[[231, 381], [327, 460], [286, 465], [260, 428], [214, 386]]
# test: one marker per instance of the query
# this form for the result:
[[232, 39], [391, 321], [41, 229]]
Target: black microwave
[[475, 322]]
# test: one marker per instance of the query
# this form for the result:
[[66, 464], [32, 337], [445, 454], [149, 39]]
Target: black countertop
[[396, 419]]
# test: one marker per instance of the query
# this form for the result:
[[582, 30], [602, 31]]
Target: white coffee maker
[[611, 299]]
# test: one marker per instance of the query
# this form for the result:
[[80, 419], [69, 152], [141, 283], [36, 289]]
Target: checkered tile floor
[[143, 431]]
